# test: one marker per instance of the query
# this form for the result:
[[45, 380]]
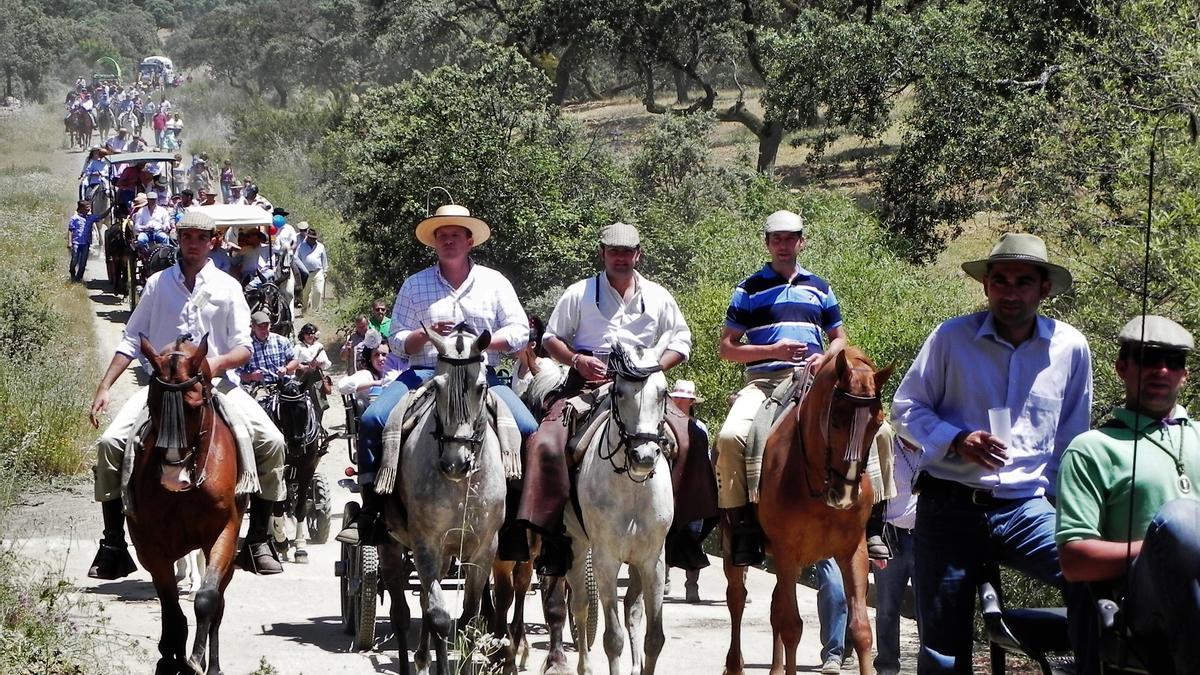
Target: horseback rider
[[190, 297], [453, 291], [271, 354], [616, 306]]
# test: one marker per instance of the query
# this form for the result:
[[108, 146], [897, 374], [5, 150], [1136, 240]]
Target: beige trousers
[[731, 441], [269, 447]]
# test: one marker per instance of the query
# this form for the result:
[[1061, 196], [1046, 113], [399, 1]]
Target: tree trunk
[[8, 90], [562, 75], [681, 86], [649, 95], [281, 93], [768, 145]]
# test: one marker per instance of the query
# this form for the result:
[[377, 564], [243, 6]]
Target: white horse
[[448, 500], [625, 497]]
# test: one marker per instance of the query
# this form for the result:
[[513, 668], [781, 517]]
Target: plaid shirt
[[486, 300], [268, 356]]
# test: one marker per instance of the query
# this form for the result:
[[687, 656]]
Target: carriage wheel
[[593, 597], [344, 568], [367, 597], [319, 510]]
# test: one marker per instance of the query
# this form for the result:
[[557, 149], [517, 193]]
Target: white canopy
[[225, 215]]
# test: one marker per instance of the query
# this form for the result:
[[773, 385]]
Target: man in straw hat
[[994, 398], [615, 306], [192, 297], [453, 291], [1158, 544]]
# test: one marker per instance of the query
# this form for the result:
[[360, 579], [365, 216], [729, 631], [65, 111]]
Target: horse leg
[[172, 643], [735, 599], [303, 484], [214, 651], [653, 582], [522, 577], [436, 620], [786, 624], [606, 569], [635, 612], [209, 601], [854, 578], [394, 572], [504, 593], [554, 608]]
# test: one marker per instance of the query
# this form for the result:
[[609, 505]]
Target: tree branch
[[1039, 83]]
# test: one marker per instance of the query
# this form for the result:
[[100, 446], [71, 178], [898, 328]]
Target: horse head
[[179, 396], [461, 396], [638, 408], [293, 411], [846, 395]]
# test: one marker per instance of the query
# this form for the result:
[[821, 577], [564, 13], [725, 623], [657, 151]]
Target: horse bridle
[[475, 440], [178, 388], [626, 439], [833, 477]]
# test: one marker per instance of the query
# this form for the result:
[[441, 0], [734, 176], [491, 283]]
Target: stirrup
[[877, 548], [349, 534], [556, 557]]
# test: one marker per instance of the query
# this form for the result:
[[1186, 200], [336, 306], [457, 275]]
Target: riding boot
[[877, 546], [683, 550], [112, 560], [514, 537], [258, 552], [367, 527], [556, 556], [746, 537]]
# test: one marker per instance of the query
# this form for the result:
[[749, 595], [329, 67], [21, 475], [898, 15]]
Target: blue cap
[[279, 221]]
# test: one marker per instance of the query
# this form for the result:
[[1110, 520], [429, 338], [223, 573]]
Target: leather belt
[[957, 492]]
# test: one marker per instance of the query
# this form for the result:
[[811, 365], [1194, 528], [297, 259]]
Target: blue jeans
[[79, 259], [144, 238], [953, 544], [374, 419], [1164, 592], [890, 584], [831, 610]]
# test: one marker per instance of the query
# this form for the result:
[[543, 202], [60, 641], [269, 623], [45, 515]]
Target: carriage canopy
[[140, 157], [234, 216]]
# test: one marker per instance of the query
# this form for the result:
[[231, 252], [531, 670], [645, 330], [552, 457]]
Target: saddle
[[783, 399], [414, 407], [247, 468]]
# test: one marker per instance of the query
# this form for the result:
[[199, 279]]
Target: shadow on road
[[326, 633], [126, 591], [117, 316]]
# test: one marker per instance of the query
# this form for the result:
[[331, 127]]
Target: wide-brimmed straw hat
[[140, 200], [452, 214], [1026, 248], [685, 389]]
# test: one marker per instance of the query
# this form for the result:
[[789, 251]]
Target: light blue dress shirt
[[965, 368]]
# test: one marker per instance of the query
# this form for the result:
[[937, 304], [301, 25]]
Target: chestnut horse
[[815, 503], [182, 499]]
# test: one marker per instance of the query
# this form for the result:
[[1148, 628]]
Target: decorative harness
[[475, 440], [625, 371], [854, 449], [171, 433]]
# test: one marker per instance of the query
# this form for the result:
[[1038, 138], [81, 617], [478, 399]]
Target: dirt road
[[292, 621]]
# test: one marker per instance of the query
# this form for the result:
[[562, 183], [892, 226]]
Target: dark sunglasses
[[1154, 358]]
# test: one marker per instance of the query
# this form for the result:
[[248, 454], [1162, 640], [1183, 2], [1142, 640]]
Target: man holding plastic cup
[[614, 306], [983, 500]]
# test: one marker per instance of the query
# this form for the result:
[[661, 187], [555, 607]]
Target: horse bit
[[627, 439]]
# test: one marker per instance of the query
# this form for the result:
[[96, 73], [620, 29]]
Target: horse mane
[[620, 363]]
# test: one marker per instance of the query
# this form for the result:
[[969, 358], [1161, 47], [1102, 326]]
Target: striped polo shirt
[[769, 308]]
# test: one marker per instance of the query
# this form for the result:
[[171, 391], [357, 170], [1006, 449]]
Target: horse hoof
[[300, 557]]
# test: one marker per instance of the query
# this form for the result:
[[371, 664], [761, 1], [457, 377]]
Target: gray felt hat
[[620, 234], [1160, 332]]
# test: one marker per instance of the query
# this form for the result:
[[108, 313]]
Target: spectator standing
[[160, 127], [892, 576], [380, 320], [79, 238], [993, 398], [311, 258], [227, 180], [149, 108], [353, 345]]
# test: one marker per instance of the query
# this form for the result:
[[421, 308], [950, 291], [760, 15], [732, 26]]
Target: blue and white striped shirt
[[768, 308]]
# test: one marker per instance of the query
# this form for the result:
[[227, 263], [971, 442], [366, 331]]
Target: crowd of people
[[990, 424]]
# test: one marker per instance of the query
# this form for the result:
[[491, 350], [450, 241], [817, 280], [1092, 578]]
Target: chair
[[1034, 632], [1118, 653]]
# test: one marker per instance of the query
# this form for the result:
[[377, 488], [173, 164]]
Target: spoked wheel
[[593, 599], [359, 572]]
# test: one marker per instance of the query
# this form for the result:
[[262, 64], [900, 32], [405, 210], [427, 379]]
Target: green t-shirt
[[1094, 477], [384, 327]]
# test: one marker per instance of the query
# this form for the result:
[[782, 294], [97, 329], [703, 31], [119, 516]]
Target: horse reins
[[854, 449], [627, 439]]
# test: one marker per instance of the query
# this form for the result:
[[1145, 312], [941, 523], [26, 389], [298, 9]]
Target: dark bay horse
[[182, 498], [815, 502], [299, 418], [83, 126]]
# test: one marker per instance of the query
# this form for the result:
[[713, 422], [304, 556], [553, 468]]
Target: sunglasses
[[1155, 358]]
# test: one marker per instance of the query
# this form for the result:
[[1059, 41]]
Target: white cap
[[784, 221]]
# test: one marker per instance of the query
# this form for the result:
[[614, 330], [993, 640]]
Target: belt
[[948, 489]]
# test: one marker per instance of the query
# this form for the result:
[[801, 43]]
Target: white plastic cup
[[1001, 423], [602, 353]]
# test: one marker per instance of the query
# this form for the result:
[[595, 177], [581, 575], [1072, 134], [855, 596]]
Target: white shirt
[[591, 314], [216, 308], [149, 108], [310, 258], [306, 354], [485, 301], [286, 237], [350, 384], [117, 144], [158, 219], [253, 258]]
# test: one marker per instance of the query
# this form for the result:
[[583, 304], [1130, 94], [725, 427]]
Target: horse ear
[[438, 343], [148, 350], [197, 360], [484, 339], [882, 376], [840, 364]]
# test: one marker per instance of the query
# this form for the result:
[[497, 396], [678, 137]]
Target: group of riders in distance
[[491, 445], [104, 105]]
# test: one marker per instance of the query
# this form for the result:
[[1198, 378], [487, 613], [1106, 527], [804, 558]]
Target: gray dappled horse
[[626, 502], [448, 501]]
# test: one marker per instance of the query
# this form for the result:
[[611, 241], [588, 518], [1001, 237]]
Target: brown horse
[[182, 498], [815, 503], [82, 126]]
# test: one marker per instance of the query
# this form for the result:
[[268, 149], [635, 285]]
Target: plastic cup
[[1001, 423], [602, 353]]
